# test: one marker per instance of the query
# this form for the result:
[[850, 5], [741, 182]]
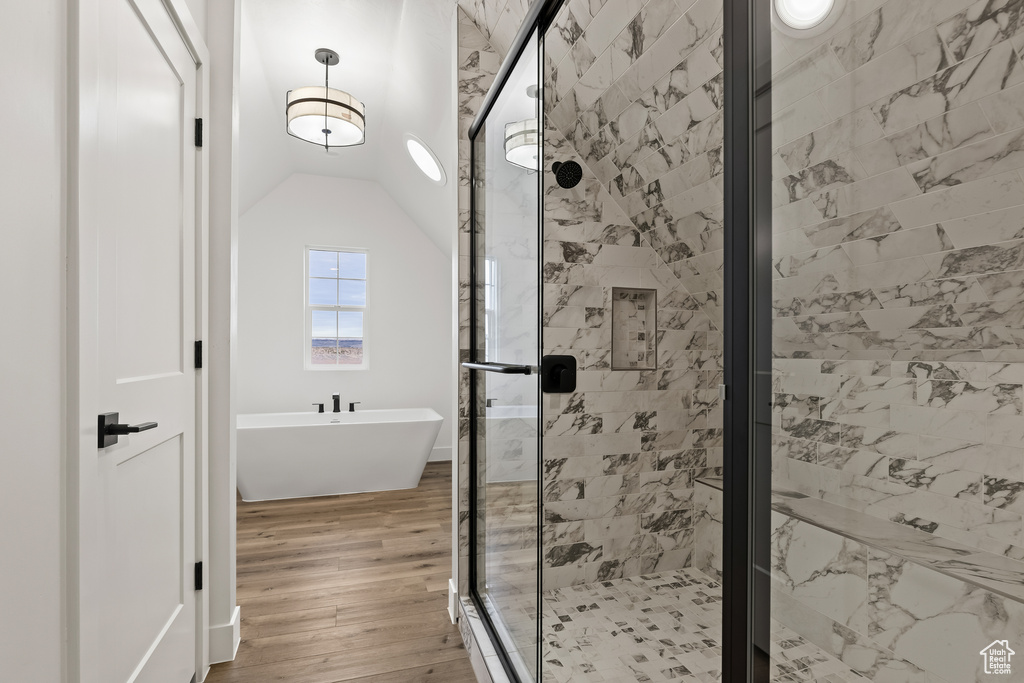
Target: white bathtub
[[296, 455]]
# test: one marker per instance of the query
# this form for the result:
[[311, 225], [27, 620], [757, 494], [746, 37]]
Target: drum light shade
[[325, 116], [522, 144]]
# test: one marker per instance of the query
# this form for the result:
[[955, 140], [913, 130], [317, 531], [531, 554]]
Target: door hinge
[[199, 576], [199, 354], [199, 133]]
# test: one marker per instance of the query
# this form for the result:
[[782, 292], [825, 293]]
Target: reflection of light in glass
[[522, 144], [803, 14], [491, 309]]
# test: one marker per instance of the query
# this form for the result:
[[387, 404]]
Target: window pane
[[325, 324], [350, 325], [352, 292], [352, 265], [323, 292], [323, 263], [350, 351], [324, 352]]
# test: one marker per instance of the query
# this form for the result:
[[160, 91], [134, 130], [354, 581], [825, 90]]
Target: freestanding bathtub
[[296, 455]]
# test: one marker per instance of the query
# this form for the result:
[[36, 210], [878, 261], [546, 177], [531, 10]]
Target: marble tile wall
[[888, 617], [633, 94], [899, 266], [620, 453]]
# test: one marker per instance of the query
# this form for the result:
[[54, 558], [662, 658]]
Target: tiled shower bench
[[892, 602]]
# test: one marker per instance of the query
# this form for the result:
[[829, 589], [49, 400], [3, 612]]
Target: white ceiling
[[396, 57]]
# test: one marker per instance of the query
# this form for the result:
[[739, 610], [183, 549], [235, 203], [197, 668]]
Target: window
[[335, 309]]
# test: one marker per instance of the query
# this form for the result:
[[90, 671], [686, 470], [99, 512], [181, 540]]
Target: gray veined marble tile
[[1005, 109], [890, 25], [992, 258], [931, 293], [981, 26], [981, 196], [857, 226], [610, 20], [643, 31], [946, 481], [698, 68], [699, 21], [987, 228], [953, 130], [899, 68], [866, 194], [1003, 286], [993, 460], [1005, 494], [799, 120], [845, 133], [989, 157], [993, 313], [977, 77], [898, 245], [845, 169], [817, 70]]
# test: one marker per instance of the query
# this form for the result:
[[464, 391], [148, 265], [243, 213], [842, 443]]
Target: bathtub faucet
[[352, 406], [337, 403]]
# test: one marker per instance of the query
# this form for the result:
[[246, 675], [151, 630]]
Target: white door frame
[[83, 37]]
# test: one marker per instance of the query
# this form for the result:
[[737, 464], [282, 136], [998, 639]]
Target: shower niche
[[634, 329]]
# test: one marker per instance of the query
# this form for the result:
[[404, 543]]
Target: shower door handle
[[501, 368]]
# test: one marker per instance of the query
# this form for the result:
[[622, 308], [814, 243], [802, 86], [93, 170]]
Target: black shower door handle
[[501, 368]]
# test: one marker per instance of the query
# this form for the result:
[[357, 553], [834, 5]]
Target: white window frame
[[307, 334]]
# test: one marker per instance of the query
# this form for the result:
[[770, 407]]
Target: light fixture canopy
[[323, 115], [522, 144]]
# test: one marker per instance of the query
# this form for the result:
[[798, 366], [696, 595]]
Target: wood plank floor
[[348, 588]]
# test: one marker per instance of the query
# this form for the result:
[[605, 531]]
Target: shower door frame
[[746, 530], [538, 18], [746, 355]]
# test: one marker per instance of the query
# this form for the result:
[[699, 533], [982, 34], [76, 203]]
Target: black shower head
[[568, 174]]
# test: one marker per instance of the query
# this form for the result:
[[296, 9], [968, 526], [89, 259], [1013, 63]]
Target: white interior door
[[136, 268]]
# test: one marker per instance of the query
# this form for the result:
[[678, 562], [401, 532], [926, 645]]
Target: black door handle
[[110, 429], [558, 374], [501, 368]]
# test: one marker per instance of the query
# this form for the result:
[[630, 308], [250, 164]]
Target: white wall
[[32, 417], [409, 321]]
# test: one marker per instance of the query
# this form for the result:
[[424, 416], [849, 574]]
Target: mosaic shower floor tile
[[660, 627]]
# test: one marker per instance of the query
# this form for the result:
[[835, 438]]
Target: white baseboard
[[437, 454], [453, 602], [224, 638]]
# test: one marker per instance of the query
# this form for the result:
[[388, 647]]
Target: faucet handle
[[320, 406], [352, 406]]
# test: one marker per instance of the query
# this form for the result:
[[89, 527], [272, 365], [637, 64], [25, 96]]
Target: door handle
[[502, 368], [110, 429], [558, 374]]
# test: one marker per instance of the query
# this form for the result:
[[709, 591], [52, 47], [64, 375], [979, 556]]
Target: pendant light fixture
[[522, 139], [522, 144], [323, 115]]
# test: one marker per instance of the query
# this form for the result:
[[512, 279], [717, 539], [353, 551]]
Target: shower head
[[568, 174]]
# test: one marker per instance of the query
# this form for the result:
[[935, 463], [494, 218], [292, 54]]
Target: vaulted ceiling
[[397, 56]]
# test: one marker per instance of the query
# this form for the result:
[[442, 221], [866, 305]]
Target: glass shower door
[[504, 387]]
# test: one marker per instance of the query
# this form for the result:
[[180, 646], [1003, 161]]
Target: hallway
[[349, 588]]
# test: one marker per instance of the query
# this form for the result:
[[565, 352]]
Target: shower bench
[[889, 600]]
